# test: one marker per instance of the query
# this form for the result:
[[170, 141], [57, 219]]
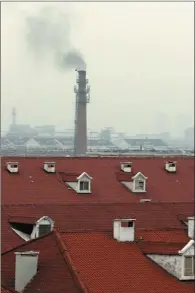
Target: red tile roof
[[6, 290], [161, 248], [55, 273], [165, 236], [94, 216], [93, 262], [33, 185], [24, 220], [106, 265]]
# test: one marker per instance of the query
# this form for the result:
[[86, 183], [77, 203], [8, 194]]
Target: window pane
[[44, 229], [84, 185], [139, 184], [188, 266]]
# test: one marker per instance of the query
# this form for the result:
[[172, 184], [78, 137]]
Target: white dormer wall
[[121, 233], [191, 227], [49, 167], [174, 264], [12, 167], [170, 263], [26, 265], [126, 167], [42, 221], [170, 166]]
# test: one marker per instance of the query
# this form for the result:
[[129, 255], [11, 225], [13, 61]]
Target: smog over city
[[138, 58]]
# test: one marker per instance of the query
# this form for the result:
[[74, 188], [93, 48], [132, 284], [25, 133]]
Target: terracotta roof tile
[[106, 265], [6, 290], [25, 220], [54, 272], [161, 248], [167, 236], [95, 217], [35, 186]]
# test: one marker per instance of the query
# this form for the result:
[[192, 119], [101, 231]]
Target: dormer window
[[189, 266], [28, 228], [187, 255], [84, 183], [44, 229], [84, 186], [43, 226], [139, 183]]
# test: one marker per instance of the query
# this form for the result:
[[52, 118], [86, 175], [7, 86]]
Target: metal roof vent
[[142, 200]]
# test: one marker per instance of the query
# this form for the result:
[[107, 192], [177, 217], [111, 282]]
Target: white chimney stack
[[126, 166], [25, 268], [170, 166], [12, 167], [49, 167], [191, 227], [124, 230]]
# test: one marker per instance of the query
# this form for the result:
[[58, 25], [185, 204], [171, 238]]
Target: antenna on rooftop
[[14, 116]]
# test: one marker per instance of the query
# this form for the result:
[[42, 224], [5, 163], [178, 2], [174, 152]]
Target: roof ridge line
[[68, 260], [85, 231], [161, 229], [161, 242], [95, 203]]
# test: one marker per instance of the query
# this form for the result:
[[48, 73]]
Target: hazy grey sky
[[139, 63]]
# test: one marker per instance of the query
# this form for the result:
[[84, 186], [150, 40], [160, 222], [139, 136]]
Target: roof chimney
[[170, 166], [49, 167], [191, 227], [126, 166], [12, 167], [124, 230], [25, 268]]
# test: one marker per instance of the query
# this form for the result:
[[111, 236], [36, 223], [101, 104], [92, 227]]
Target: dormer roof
[[139, 174], [84, 174], [186, 247]]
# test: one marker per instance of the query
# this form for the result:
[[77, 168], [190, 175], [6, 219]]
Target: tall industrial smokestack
[[82, 91]]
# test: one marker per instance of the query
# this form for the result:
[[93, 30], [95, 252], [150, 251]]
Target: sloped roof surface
[[54, 273], [106, 266], [161, 248], [167, 235], [33, 185], [6, 290], [95, 216]]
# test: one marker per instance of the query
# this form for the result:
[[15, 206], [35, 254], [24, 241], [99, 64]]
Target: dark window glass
[[44, 229], [84, 185]]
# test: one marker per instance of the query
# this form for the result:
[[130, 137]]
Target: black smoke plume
[[49, 32]]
